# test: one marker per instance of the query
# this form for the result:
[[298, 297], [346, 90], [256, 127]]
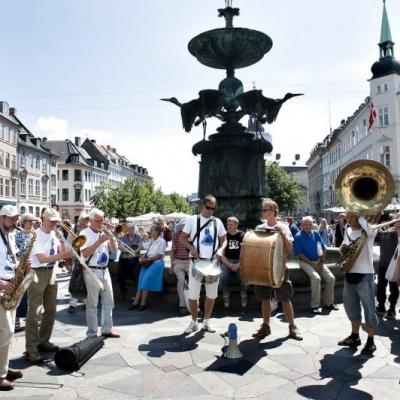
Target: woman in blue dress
[[325, 232], [151, 273]]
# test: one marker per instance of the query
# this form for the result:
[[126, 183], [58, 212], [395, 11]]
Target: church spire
[[386, 44]]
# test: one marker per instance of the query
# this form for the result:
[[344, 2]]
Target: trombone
[[119, 232], [77, 241]]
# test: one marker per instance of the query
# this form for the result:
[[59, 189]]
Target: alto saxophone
[[22, 279]]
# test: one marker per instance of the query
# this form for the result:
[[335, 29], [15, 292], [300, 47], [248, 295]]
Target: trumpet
[[120, 231], [77, 240]]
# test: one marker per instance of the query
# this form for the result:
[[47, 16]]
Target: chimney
[[113, 150], [44, 140], [108, 147], [77, 141], [13, 111], [4, 107], [92, 140]]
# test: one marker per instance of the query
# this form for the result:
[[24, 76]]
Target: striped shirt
[[178, 250]]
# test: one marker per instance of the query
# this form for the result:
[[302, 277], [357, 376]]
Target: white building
[[353, 140]]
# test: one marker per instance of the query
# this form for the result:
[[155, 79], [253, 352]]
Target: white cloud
[[52, 128]]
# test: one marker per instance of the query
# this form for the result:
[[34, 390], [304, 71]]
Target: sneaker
[[380, 309], [6, 385], [49, 347], [71, 309], [331, 307], [368, 349], [350, 342], [12, 375], [34, 358], [294, 333], [315, 310], [263, 332], [390, 314], [243, 299], [193, 327], [207, 327]]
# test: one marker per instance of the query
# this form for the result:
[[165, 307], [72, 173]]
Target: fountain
[[232, 165]]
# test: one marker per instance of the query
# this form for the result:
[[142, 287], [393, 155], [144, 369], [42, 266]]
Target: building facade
[[8, 154], [354, 139]]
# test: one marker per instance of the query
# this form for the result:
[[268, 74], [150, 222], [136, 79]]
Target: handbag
[[393, 271], [77, 285]]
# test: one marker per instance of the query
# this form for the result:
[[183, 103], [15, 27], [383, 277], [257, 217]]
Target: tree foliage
[[283, 188], [132, 198]]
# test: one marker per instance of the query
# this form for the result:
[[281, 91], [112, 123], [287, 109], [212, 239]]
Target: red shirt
[[178, 250]]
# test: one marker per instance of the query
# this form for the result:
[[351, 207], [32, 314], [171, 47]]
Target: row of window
[[7, 187], [37, 212], [35, 186], [8, 134], [34, 162], [7, 160], [78, 176], [77, 195]]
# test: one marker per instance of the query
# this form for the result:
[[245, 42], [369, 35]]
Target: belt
[[96, 267], [43, 267]]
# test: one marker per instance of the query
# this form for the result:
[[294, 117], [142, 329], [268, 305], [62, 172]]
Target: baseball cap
[[51, 214], [9, 211], [83, 215]]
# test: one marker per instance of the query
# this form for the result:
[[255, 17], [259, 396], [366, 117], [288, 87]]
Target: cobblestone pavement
[[153, 360]]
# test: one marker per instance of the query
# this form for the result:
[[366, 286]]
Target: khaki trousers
[[181, 269], [315, 279], [7, 321], [41, 292]]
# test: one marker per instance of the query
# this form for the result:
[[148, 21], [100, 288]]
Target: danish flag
[[372, 116]]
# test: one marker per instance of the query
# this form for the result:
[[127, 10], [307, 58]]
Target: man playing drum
[[283, 293], [206, 234]]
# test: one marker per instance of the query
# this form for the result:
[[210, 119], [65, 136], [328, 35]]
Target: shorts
[[195, 287], [284, 293]]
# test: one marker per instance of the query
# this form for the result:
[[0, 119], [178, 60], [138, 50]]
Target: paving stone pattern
[[154, 360]]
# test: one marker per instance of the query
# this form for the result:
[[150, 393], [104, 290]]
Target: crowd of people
[[203, 251]]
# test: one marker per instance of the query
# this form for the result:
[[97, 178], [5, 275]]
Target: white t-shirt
[[206, 239], [364, 262], [45, 243], [285, 228], [7, 268], [155, 247], [101, 255]]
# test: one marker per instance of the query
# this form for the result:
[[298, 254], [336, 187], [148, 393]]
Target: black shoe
[[71, 309], [390, 314], [380, 309], [315, 310], [368, 349], [350, 341], [142, 308], [133, 307], [331, 307]]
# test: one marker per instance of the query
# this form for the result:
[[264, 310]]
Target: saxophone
[[22, 279]]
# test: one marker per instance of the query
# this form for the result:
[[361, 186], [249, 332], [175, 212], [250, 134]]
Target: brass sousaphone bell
[[364, 187]]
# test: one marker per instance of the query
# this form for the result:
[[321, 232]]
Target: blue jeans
[[360, 294], [230, 278]]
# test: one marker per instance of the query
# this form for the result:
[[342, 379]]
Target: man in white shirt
[[206, 234], [358, 290], [9, 216], [96, 251], [46, 252]]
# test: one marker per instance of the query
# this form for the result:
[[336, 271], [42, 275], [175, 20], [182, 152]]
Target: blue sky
[[97, 68]]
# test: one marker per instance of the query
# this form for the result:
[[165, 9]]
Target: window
[[385, 155], [37, 188], [8, 160], [1, 187], [44, 165], [30, 209], [44, 190], [30, 156], [53, 181], [378, 89], [7, 188], [75, 159], [22, 210], [37, 162], [23, 159], [385, 87], [6, 132], [23, 186], [78, 195], [37, 212], [1, 158], [13, 191], [13, 162], [64, 174], [1, 131], [78, 175], [13, 136], [30, 187], [384, 116], [65, 195]]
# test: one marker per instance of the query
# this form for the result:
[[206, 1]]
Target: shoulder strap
[[215, 237], [9, 250], [198, 231]]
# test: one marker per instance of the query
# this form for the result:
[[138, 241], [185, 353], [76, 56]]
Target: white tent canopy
[[145, 218], [176, 215], [335, 209]]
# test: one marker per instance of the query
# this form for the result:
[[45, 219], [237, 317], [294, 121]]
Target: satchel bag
[[77, 285], [393, 271]]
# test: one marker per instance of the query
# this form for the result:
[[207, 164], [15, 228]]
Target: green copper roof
[[386, 36]]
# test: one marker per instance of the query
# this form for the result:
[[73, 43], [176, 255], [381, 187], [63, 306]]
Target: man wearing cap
[[9, 216], [83, 223], [128, 263], [46, 252]]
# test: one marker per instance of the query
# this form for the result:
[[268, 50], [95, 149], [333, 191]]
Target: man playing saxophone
[[46, 252], [9, 216], [358, 291]]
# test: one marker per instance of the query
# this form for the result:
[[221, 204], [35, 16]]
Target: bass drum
[[262, 259]]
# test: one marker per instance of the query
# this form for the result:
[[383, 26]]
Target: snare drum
[[206, 271], [262, 259]]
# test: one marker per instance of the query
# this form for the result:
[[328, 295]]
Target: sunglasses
[[209, 208], [267, 209]]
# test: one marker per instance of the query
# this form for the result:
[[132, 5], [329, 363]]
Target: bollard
[[232, 350]]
